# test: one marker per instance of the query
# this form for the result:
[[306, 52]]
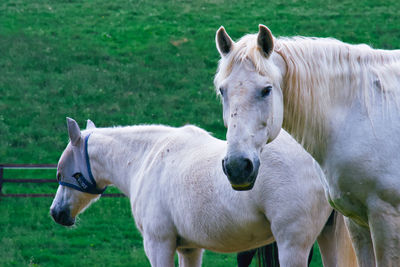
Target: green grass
[[104, 235], [128, 62], [33, 238]]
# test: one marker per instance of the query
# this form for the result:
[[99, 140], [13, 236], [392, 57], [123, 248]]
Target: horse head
[[252, 101], [77, 187]]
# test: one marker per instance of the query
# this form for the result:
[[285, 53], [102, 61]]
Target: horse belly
[[228, 237]]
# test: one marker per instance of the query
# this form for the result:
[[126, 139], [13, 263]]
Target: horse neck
[[322, 76], [117, 155]]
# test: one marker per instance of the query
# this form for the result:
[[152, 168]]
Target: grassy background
[[129, 62]]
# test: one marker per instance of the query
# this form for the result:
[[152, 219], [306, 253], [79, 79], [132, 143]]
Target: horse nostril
[[62, 216], [57, 215], [238, 167], [248, 166], [223, 166]]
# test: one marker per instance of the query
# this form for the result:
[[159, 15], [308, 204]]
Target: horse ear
[[73, 131], [90, 124], [223, 41], [265, 40]]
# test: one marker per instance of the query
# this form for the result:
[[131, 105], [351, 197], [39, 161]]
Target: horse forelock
[[245, 49]]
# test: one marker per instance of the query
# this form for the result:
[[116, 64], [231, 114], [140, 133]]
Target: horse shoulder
[[290, 175]]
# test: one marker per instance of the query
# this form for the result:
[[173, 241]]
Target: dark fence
[[32, 180]]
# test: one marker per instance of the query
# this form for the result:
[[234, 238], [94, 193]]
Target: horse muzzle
[[241, 171], [62, 216]]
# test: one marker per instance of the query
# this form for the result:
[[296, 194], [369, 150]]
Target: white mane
[[320, 71]]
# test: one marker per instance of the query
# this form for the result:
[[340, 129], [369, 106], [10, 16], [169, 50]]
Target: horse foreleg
[[327, 244], [190, 257], [293, 256], [384, 224], [160, 252], [362, 243], [294, 241]]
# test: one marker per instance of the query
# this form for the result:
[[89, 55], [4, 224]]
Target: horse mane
[[319, 72]]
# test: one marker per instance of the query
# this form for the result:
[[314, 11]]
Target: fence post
[[1, 179]]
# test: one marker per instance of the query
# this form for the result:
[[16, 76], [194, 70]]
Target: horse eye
[[221, 91], [266, 91]]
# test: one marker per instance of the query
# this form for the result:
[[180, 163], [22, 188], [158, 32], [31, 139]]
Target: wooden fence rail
[[32, 180]]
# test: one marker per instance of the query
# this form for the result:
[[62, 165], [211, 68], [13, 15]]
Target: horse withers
[[181, 200]]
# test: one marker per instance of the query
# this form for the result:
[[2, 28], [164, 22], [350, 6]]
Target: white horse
[[181, 200], [341, 102]]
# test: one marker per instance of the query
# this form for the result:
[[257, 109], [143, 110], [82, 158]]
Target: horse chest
[[362, 160], [359, 174]]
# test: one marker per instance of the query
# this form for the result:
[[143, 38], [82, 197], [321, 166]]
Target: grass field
[[129, 62]]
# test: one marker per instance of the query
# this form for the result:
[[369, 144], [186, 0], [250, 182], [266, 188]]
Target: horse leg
[[190, 257], [293, 255], [385, 232], [326, 243], [335, 243], [295, 238], [310, 255], [362, 243], [294, 241], [160, 252], [266, 256]]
